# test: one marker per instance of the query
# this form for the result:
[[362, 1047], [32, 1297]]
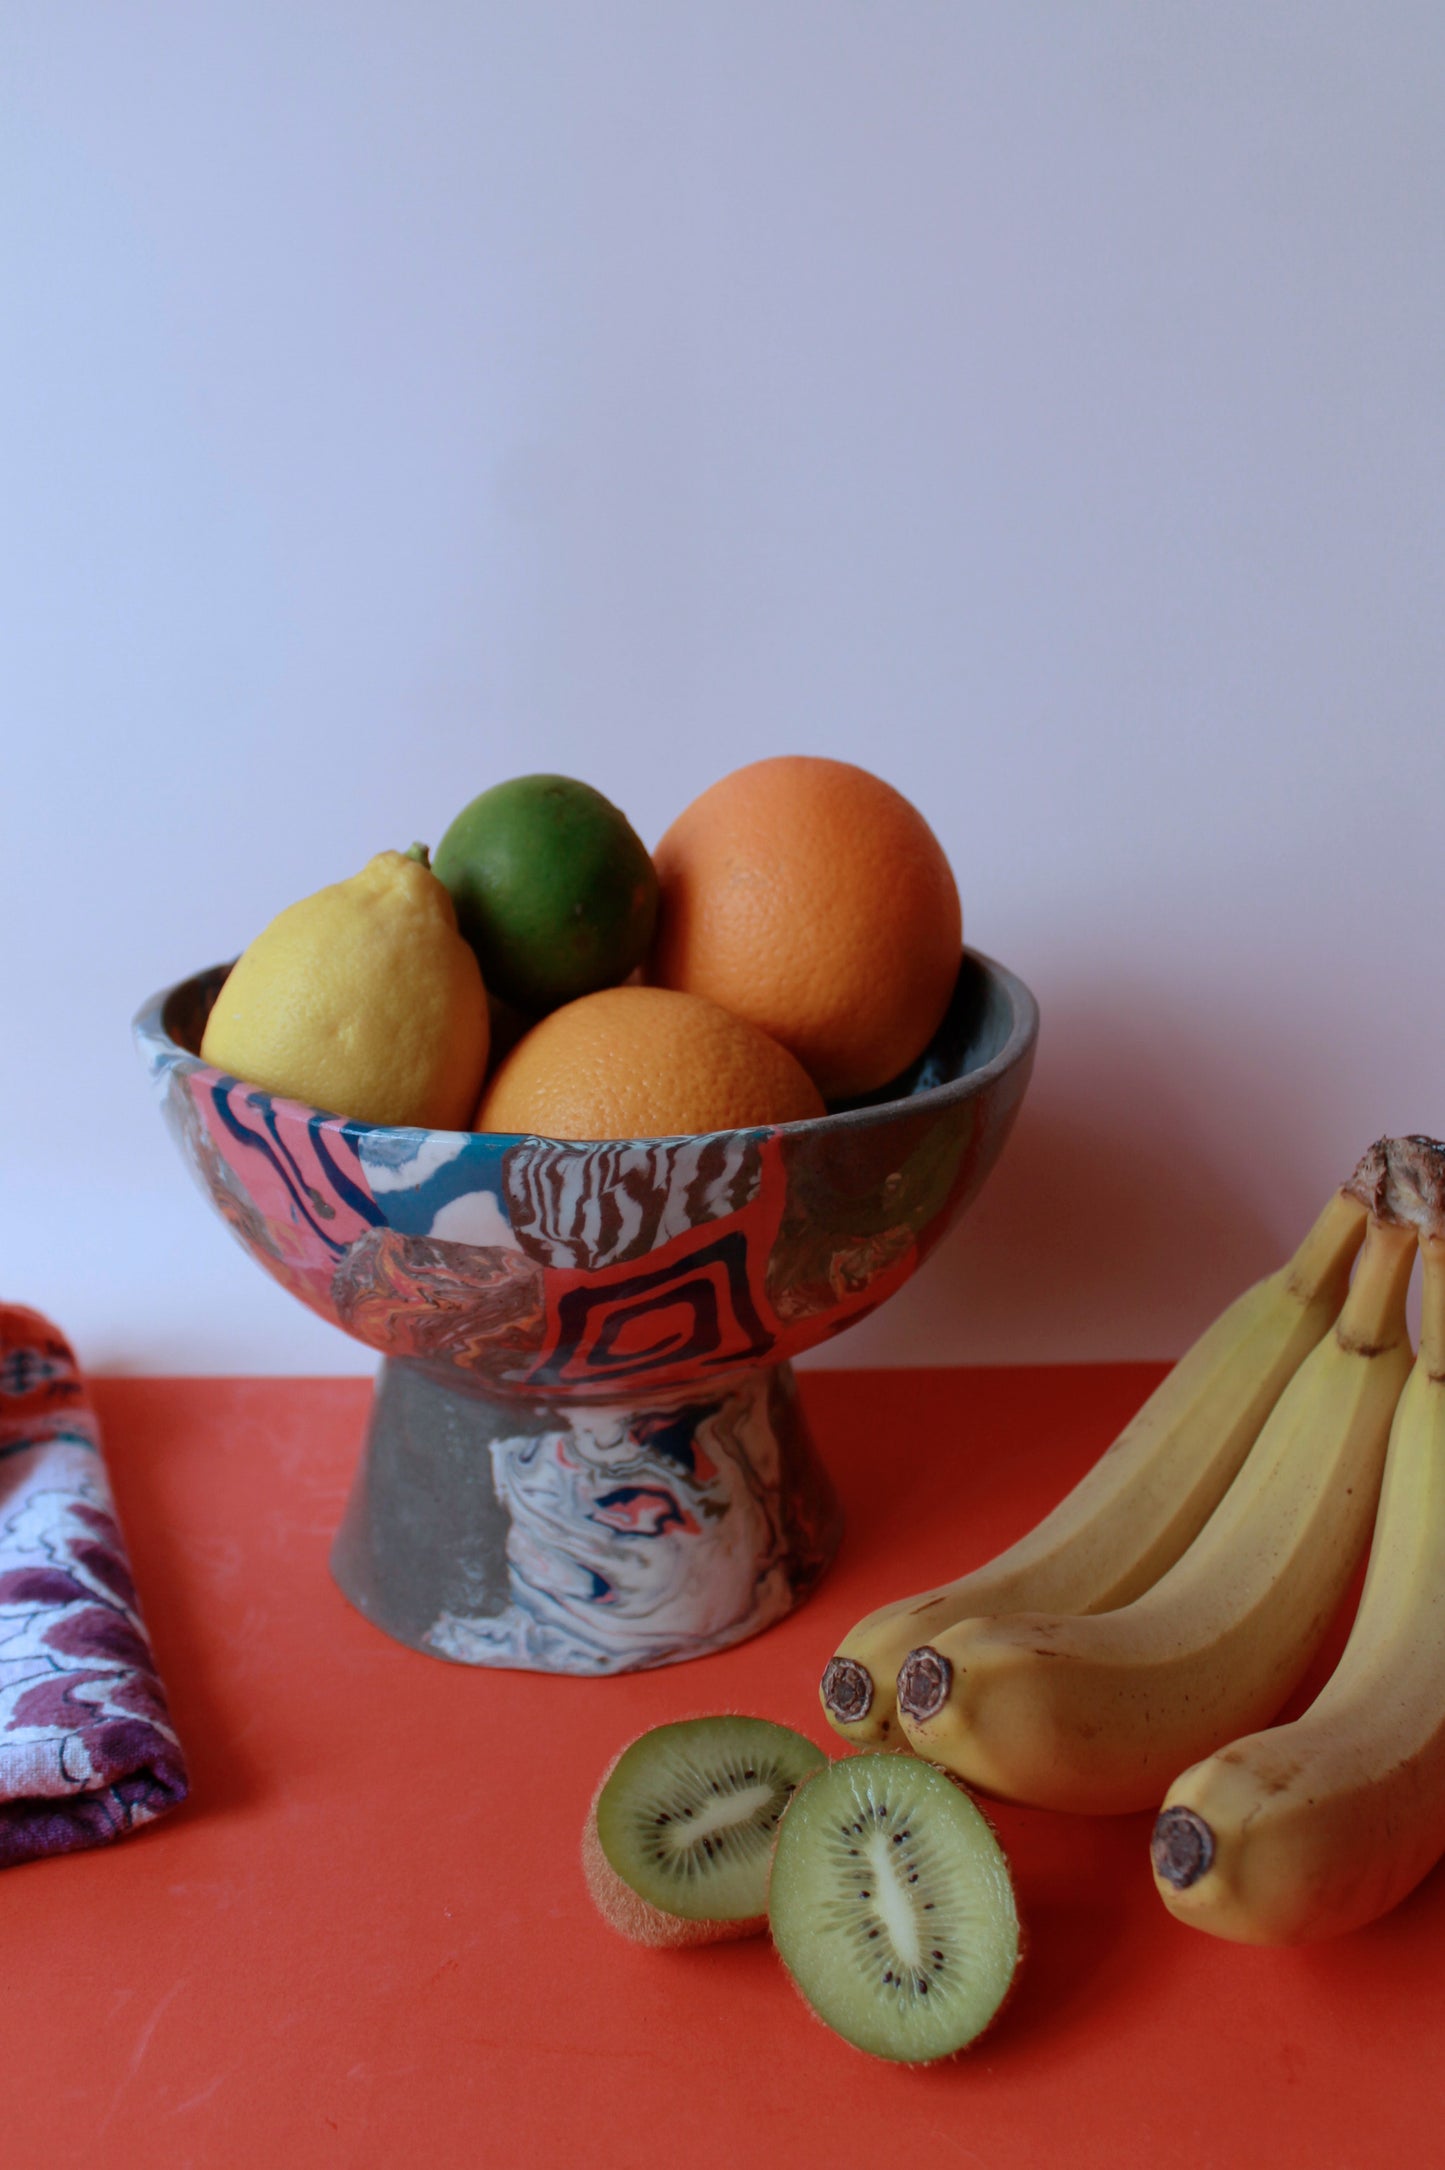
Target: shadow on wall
[[1115, 1226]]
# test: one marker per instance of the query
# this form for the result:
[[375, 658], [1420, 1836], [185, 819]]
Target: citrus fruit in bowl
[[363, 996], [645, 1062], [552, 887], [811, 898]]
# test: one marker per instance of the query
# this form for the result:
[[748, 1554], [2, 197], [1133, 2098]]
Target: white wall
[[1039, 404]]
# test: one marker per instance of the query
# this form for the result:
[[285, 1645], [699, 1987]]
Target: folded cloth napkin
[[87, 1750]]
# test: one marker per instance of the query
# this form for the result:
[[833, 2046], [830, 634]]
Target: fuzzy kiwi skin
[[625, 1910], [874, 2057]]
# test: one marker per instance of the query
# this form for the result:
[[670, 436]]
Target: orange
[[644, 1062], [811, 898]]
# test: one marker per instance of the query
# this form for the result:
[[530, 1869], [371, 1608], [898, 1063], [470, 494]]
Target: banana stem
[[1374, 1313], [1321, 1264], [1432, 1308]]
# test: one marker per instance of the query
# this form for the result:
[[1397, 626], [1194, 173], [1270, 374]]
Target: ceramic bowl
[[585, 1452]]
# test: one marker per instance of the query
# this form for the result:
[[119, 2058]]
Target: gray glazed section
[[424, 1532], [729, 1485]]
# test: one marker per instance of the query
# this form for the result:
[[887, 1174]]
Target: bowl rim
[[167, 1056]]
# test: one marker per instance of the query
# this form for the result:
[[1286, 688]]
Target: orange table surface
[[365, 1938]]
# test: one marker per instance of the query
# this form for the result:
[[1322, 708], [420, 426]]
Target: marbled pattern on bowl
[[597, 1270]]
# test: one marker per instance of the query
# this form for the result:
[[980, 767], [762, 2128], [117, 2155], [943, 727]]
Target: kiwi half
[[891, 1906], [681, 1830]]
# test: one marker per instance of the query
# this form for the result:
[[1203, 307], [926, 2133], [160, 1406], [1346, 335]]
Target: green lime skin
[[553, 888]]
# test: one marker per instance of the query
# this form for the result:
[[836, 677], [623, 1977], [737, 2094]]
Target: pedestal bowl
[[585, 1452]]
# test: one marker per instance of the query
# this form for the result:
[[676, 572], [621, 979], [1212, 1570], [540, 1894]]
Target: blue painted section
[[411, 1208]]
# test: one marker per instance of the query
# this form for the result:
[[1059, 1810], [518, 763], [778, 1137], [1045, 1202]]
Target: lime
[[553, 888]]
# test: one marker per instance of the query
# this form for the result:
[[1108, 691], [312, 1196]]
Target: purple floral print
[[87, 1749]]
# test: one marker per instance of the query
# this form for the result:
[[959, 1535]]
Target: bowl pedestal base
[[570, 1536]]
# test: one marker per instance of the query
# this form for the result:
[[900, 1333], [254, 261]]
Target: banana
[[1097, 1712], [1320, 1826], [1149, 1494]]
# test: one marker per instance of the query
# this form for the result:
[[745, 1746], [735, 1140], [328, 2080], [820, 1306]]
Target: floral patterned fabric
[[87, 1750]]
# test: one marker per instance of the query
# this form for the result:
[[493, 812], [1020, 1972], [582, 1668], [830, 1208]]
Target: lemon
[[362, 999], [553, 887]]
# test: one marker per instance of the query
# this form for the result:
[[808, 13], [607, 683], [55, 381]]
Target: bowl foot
[[574, 1537]]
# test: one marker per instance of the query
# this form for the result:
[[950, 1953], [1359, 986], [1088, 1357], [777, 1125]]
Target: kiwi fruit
[[681, 1829], [891, 1906]]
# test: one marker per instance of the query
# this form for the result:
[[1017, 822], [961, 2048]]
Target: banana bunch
[[1308, 1829], [1097, 1712], [1148, 1496], [1166, 1611], [1160, 1617]]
